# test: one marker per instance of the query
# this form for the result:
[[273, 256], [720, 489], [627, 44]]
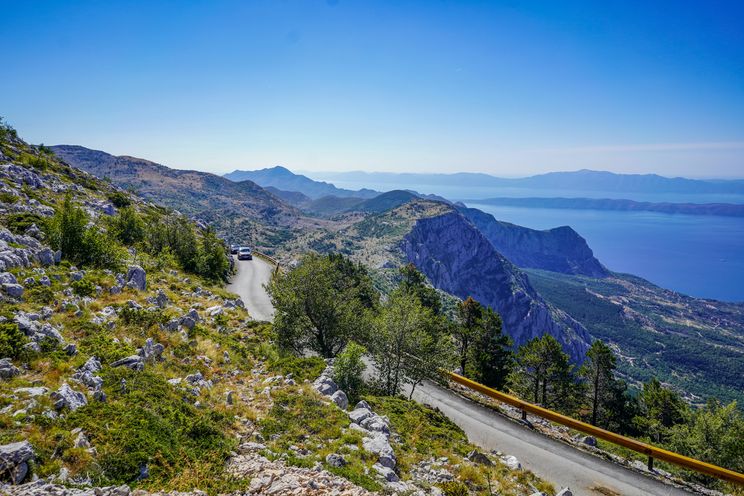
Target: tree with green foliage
[[357, 279], [598, 374], [491, 356], [414, 282], [69, 232], [176, 234], [543, 373], [431, 352], [469, 324], [400, 329], [212, 259], [661, 408], [127, 226], [318, 307], [348, 370], [714, 434]]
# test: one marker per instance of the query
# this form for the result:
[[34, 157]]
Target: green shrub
[[120, 199], [68, 231], [18, 223], [40, 294], [83, 287], [148, 423], [39, 163], [454, 488], [348, 371], [127, 226], [98, 342], [8, 197], [141, 317], [12, 340], [301, 368]]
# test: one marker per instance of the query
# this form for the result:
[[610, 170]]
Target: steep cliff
[[458, 259], [557, 250]]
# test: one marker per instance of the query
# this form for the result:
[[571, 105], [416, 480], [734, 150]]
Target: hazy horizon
[[505, 88]]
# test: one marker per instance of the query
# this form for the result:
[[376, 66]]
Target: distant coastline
[[717, 209]]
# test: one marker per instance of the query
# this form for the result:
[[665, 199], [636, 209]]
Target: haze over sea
[[697, 255]]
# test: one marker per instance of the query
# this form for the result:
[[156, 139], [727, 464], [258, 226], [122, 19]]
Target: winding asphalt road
[[551, 460], [248, 283]]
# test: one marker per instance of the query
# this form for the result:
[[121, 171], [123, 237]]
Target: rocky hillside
[[241, 211], [132, 374], [558, 250], [457, 258]]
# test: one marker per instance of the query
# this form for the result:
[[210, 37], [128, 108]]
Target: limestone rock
[[133, 362], [14, 458], [339, 397], [13, 290], [335, 460], [65, 396], [7, 369], [137, 278]]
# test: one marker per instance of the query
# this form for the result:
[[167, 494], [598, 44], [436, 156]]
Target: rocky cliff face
[[557, 250], [458, 259]]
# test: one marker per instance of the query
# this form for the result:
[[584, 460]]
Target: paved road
[[248, 284], [551, 460]]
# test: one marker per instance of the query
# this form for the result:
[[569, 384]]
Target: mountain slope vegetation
[[243, 212], [696, 345]]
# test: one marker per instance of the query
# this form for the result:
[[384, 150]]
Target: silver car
[[245, 253]]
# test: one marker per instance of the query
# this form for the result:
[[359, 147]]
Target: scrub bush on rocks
[[11, 340], [348, 370], [149, 424]]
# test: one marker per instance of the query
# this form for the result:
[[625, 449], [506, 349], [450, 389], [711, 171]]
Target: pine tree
[[414, 282], [598, 375], [544, 374], [469, 326], [492, 358]]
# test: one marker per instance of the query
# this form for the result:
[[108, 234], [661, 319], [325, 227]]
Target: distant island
[[720, 209], [581, 180]]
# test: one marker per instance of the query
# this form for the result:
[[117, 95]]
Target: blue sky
[[510, 88]]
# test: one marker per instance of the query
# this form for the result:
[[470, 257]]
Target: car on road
[[245, 253], [234, 249]]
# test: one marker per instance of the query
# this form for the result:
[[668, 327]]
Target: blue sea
[[693, 254], [700, 256]]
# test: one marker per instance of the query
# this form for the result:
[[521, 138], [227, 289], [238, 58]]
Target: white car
[[245, 253]]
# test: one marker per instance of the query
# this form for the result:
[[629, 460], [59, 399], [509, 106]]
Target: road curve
[[553, 461], [548, 458], [248, 283]]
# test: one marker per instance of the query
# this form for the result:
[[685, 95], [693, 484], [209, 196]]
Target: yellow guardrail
[[266, 257], [651, 451]]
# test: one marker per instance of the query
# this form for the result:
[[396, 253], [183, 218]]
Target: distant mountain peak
[[283, 179]]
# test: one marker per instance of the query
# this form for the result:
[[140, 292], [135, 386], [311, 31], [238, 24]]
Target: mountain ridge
[[560, 249], [286, 180], [584, 179], [242, 211]]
